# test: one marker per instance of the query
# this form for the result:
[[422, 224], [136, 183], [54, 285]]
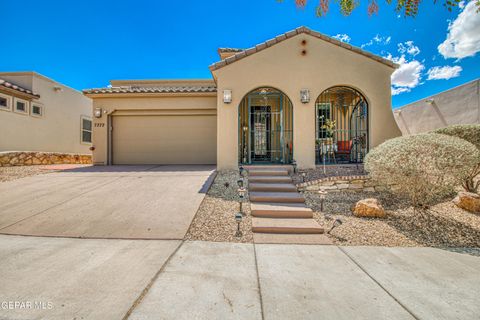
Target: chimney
[[224, 53]]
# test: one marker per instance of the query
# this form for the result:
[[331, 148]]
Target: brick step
[[282, 197], [268, 172], [280, 210], [287, 167], [272, 187], [290, 226], [269, 179]]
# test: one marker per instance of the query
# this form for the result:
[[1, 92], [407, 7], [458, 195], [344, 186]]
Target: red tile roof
[[301, 30], [11, 86], [159, 89]]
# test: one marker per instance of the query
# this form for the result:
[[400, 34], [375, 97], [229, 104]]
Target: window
[[5, 102], [20, 105], [37, 110], [86, 128], [323, 114]]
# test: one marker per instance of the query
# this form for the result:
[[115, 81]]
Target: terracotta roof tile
[[229, 50], [159, 89], [301, 30], [9, 85]]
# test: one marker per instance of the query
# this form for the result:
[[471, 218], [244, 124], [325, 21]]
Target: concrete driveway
[[170, 279], [127, 202]]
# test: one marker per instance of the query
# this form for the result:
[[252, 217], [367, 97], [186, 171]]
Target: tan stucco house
[[38, 114], [301, 96]]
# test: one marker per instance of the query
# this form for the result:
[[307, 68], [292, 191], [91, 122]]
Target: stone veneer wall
[[25, 158], [342, 183]]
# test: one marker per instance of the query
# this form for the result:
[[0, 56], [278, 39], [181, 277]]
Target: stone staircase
[[279, 213]]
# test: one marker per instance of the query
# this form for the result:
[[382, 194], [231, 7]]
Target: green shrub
[[471, 133], [423, 167]]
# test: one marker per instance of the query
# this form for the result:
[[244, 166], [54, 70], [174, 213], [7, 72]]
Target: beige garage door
[[164, 139]]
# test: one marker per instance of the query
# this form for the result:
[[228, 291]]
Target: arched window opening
[[265, 130], [341, 126]]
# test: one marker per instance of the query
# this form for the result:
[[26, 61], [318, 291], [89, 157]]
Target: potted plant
[[329, 127]]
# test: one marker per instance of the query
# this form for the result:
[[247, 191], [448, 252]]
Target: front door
[[260, 124]]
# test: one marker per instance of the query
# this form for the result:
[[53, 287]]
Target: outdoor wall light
[[97, 113], [238, 218], [336, 223], [227, 96], [305, 96]]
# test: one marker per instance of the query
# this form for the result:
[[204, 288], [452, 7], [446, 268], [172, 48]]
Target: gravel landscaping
[[215, 218], [442, 225], [17, 172]]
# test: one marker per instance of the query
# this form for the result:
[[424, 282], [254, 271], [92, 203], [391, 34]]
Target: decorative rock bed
[[468, 201], [342, 183], [215, 218], [23, 158]]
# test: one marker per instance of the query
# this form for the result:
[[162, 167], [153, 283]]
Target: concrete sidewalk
[[135, 279]]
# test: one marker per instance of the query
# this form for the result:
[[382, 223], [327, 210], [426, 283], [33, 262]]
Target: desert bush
[[424, 167], [471, 133]]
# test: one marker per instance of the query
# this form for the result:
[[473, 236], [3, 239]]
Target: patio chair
[[344, 150]]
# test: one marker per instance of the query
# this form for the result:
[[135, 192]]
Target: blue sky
[[86, 43]]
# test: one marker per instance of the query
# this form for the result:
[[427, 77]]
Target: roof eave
[[19, 93], [291, 34], [147, 94]]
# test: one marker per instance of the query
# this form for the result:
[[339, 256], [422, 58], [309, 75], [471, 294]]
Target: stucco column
[[304, 133], [100, 137], [227, 132]]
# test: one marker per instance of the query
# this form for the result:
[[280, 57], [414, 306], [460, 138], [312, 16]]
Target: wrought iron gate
[[265, 128], [341, 124]]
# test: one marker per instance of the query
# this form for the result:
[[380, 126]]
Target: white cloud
[[463, 38], [446, 72], [461, 4], [342, 37], [409, 73], [407, 76], [396, 91], [381, 40], [408, 47]]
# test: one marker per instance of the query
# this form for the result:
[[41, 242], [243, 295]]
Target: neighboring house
[[460, 105], [39, 114], [301, 95]]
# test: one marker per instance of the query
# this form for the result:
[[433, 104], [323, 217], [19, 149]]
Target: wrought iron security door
[[265, 128], [260, 124]]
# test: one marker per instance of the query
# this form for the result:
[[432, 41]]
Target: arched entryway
[[265, 131], [341, 126]]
